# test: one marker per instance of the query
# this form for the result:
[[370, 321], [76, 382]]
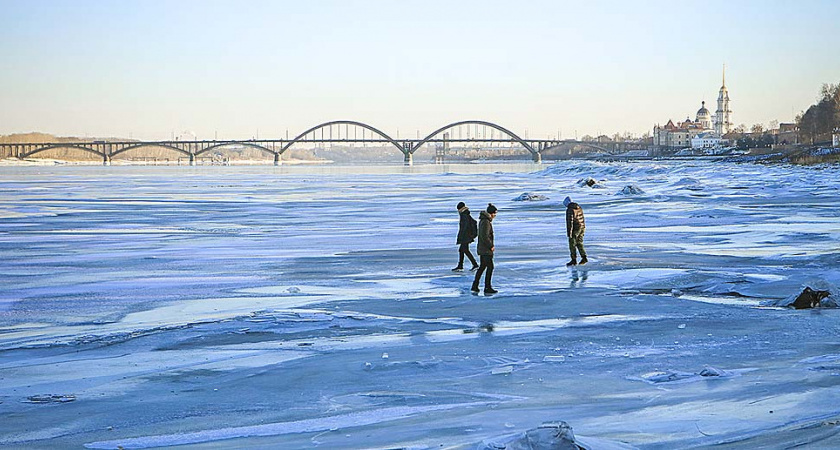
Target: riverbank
[[805, 157]]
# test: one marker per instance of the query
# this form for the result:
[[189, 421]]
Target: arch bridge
[[467, 133]]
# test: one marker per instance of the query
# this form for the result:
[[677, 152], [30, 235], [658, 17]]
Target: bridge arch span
[[149, 144], [241, 143], [68, 145], [504, 130], [300, 137]]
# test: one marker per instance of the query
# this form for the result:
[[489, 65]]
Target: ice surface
[[274, 429], [297, 307]]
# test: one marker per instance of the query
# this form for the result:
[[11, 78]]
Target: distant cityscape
[[709, 132], [706, 134]]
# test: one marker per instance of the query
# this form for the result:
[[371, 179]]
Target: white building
[[706, 139]]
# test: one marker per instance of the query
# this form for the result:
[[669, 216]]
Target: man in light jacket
[[575, 227]]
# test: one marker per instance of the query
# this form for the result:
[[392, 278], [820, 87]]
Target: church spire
[[723, 115]]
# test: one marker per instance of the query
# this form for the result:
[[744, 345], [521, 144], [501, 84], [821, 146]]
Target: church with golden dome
[[705, 131]]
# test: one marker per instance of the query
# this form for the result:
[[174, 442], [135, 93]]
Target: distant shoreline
[[9, 162], [810, 156]]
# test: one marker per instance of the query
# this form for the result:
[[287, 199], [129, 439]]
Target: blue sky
[[150, 68]]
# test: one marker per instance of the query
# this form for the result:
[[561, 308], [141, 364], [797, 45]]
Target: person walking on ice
[[467, 232], [575, 227], [486, 248]]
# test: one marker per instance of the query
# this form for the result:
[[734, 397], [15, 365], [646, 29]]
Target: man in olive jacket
[[575, 227], [486, 248], [466, 234]]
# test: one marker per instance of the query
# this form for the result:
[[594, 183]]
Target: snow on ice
[[300, 307]]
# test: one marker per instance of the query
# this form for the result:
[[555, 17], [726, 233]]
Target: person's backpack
[[472, 228]]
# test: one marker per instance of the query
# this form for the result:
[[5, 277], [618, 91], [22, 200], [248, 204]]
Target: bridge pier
[[106, 160], [538, 158], [406, 149], [278, 159], [192, 159]]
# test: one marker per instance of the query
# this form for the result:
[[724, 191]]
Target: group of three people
[[468, 231]]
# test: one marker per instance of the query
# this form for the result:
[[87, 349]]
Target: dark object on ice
[[467, 232], [588, 181], [50, 398], [548, 436], [821, 295], [571, 263], [490, 291], [529, 197], [710, 372], [483, 328], [810, 298]]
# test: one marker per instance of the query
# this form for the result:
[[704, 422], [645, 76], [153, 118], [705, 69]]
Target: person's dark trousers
[[464, 249], [486, 263], [576, 245]]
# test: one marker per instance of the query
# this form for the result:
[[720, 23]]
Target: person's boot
[[488, 290], [474, 268], [475, 288], [458, 269], [571, 263], [583, 261]]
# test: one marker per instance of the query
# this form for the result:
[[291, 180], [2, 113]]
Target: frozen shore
[[257, 307]]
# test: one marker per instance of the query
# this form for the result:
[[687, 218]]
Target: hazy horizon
[[237, 69]]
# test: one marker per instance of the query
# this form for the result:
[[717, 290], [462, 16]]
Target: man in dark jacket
[[466, 234], [575, 226], [486, 248]]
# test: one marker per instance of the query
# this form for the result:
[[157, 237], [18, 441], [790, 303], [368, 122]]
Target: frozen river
[[298, 307]]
